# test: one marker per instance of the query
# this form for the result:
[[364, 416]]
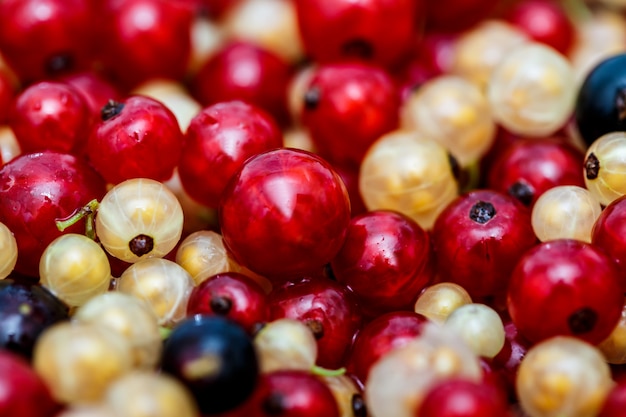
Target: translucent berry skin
[[243, 71], [293, 202], [62, 31], [50, 116], [565, 287], [457, 397], [343, 30], [529, 167], [347, 107], [146, 39], [379, 336], [142, 141], [23, 391], [609, 233], [218, 141], [215, 359], [601, 105], [479, 252], [232, 295], [38, 189], [327, 307], [544, 21], [386, 260], [27, 310], [291, 393]]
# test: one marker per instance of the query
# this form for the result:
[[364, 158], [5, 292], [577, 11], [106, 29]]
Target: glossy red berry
[[327, 307], [347, 107], [376, 338], [529, 167], [22, 391], [7, 92], [62, 31], [247, 72], [507, 361], [457, 15], [146, 39], [478, 239], [38, 189], [609, 233], [340, 30], [95, 90], [565, 287], [231, 295], [218, 141], [50, 116], [544, 21], [457, 397], [386, 260], [615, 402], [288, 201], [136, 138]]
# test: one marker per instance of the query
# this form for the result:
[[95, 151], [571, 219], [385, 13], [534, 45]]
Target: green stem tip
[[87, 211], [319, 371]]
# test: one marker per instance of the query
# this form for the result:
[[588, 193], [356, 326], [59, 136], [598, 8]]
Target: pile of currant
[[312, 208]]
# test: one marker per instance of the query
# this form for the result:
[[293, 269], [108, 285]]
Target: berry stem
[[319, 371], [87, 211]]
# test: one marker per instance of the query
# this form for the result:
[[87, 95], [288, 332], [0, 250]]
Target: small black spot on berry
[[141, 245], [582, 320], [358, 406], [274, 404], [312, 98], [482, 212], [359, 48], [221, 305], [522, 192], [59, 63], [110, 110], [592, 166]]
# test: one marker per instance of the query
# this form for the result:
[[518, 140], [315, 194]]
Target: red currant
[[609, 233]]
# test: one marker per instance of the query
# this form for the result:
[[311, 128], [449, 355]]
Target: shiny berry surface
[[615, 401], [343, 30], [376, 338], [50, 116], [565, 287], [23, 392], [478, 239], [529, 167], [27, 310], [138, 137], [232, 295], [347, 107], [7, 92], [38, 189], [327, 307], [386, 260], [218, 141], [457, 397], [294, 203], [243, 71], [601, 101], [215, 359], [62, 31], [609, 233], [95, 90], [140, 33]]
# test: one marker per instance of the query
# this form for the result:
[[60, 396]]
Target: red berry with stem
[[138, 137], [478, 239], [218, 141], [609, 233], [529, 167], [565, 287], [244, 71], [231, 295], [376, 338], [45, 38], [50, 116], [23, 392], [146, 39], [39, 189], [291, 201], [386, 260], [340, 30], [544, 21], [457, 397], [327, 307], [347, 107]]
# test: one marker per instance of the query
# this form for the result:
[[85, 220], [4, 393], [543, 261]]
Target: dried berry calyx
[[482, 212], [582, 320], [141, 245], [221, 305], [522, 192], [312, 98], [110, 110], [592, 167]]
